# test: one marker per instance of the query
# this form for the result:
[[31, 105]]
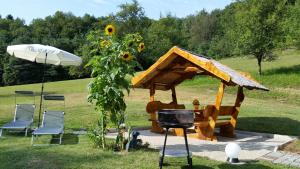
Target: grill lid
[[176, 118]]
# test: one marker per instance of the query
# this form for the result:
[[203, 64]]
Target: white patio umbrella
[[46, 55]]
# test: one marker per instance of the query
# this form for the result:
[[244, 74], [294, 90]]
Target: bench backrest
[[224, 110], [155, 106]]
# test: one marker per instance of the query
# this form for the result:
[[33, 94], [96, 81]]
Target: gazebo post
[[238, 102], [178, 131], [152, 92], [174, 98], [213, 119]]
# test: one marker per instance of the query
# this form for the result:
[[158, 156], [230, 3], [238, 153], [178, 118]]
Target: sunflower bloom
[[110, 30], [126, 56], [141, 47]]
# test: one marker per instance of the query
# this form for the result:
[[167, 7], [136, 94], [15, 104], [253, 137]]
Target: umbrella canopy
[[43, 54], [37, 53]]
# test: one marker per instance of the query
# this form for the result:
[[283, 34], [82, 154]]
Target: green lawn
[[276, 111], [77, 152]]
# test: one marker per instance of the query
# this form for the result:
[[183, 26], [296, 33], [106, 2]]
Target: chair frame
[[23, 93], [36, 135], [50, 98]]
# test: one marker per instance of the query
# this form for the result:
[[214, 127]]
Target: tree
[[67, 32], [12, 31], [258, 27], [81, 71], [291, 24], [161, 36], [201, 29], [131, 18], [223, 43]]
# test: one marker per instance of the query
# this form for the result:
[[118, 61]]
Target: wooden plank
[[163, 76], [201, 124], [228, 130], [214, 116], [238, 102], [152, 92], [178, 132], [208, 66], [174, 71], [167, 77], [174, 98], [192, 69], [226, 110], [146, 75], [222, 122], [182, 78], [155, 106]]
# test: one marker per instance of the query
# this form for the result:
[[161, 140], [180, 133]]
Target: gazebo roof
[[178, 65]]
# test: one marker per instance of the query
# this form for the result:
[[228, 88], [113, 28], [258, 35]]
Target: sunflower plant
[[113, 59]]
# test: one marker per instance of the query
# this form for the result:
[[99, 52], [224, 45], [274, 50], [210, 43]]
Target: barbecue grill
[[169, 118], [176, 118]]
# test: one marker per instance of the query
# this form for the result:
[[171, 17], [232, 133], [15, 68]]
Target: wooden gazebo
[[178, 65]]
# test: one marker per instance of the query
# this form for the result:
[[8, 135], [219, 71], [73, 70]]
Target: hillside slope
[[277, 111]]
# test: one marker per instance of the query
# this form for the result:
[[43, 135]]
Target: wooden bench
[[203, 125], [211, 117], [153, 107]]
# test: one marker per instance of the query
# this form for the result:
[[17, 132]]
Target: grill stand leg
[[26, 130], [189, 159], [161, 159]]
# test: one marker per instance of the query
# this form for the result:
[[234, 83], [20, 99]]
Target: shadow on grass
[[12, 95], [275, 125], [284, 70], [44, 93], [8, 133], [244, 166], [197, 167], [68, 139]]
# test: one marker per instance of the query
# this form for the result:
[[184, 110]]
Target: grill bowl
[[175, 118]]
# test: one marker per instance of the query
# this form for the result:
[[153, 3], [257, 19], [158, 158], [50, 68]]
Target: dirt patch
[[293, 147]]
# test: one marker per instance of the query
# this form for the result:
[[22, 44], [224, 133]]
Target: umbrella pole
[[41, 100]]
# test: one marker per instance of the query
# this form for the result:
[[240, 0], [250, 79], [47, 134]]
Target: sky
[[32, 9]]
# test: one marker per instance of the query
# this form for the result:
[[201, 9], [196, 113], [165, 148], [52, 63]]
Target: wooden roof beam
[[145, 76], [207, 66]]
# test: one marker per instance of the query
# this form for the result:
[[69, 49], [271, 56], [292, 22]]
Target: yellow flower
[[141, 47], [126, 56], [110, 30], [105, 44]]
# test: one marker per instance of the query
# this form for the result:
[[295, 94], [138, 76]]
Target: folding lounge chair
[[53, 121], [52, 124], [23, 118]]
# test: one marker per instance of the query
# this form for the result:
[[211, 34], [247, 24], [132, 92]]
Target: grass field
[[77, 152], [277, 111]]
